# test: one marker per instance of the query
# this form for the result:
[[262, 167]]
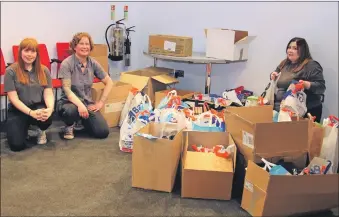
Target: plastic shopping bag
[[133, 96], [270, 91], [138, 117], [295, 99], [209, 122], [329, 149]]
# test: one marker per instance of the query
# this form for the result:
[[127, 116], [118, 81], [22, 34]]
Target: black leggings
[[17, 127], [316, 111], [95, 124]]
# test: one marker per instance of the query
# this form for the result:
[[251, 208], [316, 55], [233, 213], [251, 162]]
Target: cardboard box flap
[[293, 140], [161, 70], [246, 40], [254, 114], [165, 79], [138, 82], [239, 34], [257, 175]]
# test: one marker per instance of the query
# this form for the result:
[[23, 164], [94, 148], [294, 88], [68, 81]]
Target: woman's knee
[[16, 144], [101, 132]]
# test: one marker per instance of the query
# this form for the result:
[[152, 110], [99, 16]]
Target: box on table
[[100, 54], [155, 161], [149, 80], [170, 45], [115, 102], [227, 44], [205, 175], [183, 94], [256, 135], [285, 195]]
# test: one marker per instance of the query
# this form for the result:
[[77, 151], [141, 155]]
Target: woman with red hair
[[29, 87]]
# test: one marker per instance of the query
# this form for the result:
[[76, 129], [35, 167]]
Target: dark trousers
[[17, 126], [317, 112], [95, 124]]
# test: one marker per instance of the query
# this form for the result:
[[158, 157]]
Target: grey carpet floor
[[89, 177]]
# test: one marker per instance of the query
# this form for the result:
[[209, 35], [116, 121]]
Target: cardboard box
[[100, 54], [256, 135], [155, 162], [205, 175], [170, 45], [149, 80], [227, 44], [115, 101], [183, 94], [284, 195]]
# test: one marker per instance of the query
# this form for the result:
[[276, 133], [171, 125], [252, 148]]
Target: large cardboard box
[[285, 195], [227, 44], [155, 161], [183, 94], [100, 54], [115, 100], [256, 135], [170, 45], [149, 80], [205, 175]]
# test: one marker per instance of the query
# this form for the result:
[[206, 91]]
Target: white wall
[[274, 24]]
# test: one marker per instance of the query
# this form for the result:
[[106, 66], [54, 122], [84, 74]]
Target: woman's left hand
[[96, 107], [307, 84], [46, 113]]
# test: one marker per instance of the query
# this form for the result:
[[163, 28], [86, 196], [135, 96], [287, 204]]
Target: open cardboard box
[[285, 195], [205, 175], [227, 44], [115, 102], [183, 94], [155, 161], [149, 80], [256, 135]]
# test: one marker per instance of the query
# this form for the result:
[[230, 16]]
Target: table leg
[[155, 62], [208, 78]]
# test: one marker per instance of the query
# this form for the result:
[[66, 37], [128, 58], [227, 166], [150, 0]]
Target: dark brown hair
[[303, 51]]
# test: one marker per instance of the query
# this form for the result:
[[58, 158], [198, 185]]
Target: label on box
[[114, 107], [248, 186], [170, 46], [247, 139]]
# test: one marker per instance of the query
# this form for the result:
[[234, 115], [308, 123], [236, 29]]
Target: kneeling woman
[[29, 88]]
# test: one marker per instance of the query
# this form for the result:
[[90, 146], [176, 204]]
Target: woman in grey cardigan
[[300, 66]]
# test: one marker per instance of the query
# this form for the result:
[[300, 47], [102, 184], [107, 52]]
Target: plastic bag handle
[[333, 120]]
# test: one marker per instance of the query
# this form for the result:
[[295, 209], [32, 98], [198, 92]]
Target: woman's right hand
[[83, 112], [274, 75], [36, 114]]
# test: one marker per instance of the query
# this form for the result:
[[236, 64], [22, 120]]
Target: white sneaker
[[68, 132], [42, 139]]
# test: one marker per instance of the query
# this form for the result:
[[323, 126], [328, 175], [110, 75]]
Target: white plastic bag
[[208, 122], [232, 96], [329, 149], [128, 104], [163, 103], [270, 92], [295, 99], [132, 123]]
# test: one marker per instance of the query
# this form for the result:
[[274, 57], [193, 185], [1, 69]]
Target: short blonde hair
[[77, 37]]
